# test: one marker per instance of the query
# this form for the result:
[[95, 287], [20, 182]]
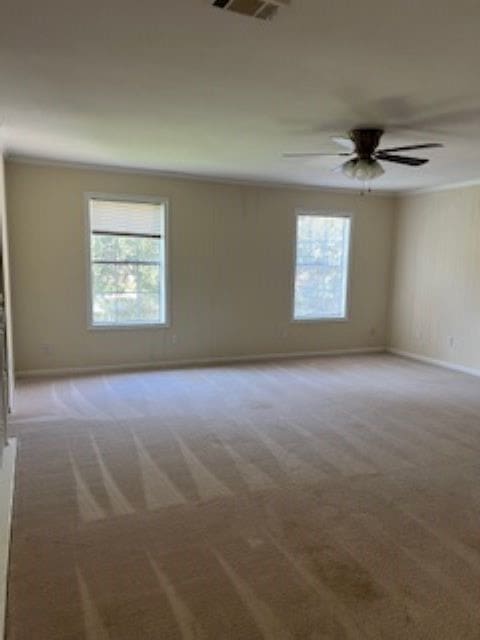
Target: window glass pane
[[126, 278], [103, 247], [322, 266], [149, 305], [104, 308], [126, 308], [125, 248], [148, 278], [150, 249], [126, 293], [104, 278]]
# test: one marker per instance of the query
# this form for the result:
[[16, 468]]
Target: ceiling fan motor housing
[[366, 141], [261, 9]]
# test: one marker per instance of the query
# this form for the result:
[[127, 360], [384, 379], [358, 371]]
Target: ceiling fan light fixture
[[363, 169]]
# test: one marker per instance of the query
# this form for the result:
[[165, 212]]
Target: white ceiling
[[175, 85]]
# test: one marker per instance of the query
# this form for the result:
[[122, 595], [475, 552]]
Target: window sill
[[127, 327], [318, 320]]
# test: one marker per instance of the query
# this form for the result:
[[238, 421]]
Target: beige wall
[[231, 265], [435, 304]]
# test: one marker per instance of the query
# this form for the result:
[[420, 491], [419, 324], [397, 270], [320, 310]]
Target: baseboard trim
[[7, 478], [439, 363], [194, 362]]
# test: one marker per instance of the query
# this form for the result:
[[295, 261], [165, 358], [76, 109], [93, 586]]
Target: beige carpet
[[333, 498]]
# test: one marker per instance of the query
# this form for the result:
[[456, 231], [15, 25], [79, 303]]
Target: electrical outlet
[[452, 342]]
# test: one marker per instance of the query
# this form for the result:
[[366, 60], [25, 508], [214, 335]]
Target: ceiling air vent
[[262, 9]]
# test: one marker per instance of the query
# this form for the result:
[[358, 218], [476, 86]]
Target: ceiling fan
[[362, 144]]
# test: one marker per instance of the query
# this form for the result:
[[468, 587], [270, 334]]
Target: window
[[321, 269], [127, 262]]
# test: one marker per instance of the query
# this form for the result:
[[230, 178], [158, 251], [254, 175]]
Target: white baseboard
[[170, 364], [439, 363], [7, 475]]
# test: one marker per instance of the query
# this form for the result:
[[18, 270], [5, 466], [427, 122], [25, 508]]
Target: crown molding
[[229, 180], [449, 186], [173, 175]]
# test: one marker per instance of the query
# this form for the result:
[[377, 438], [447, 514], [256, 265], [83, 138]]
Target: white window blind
[[127, 218], [321, 269], [127, 262]]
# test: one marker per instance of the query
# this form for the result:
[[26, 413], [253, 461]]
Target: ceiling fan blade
[[313, 155], [344, 142], [428, 145], [412, 162]]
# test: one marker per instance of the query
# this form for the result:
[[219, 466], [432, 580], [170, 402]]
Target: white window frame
[[88, 196], [323, 214]]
